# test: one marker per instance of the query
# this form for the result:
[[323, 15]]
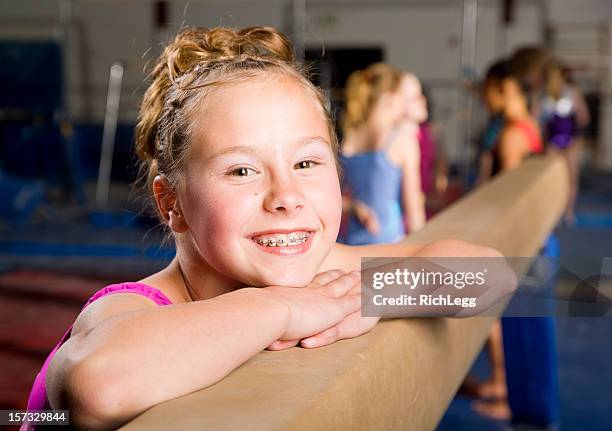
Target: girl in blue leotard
[[380, 160]]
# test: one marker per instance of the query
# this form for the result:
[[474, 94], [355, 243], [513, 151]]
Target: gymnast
[[564, 115], [380, 157], [240, 159]]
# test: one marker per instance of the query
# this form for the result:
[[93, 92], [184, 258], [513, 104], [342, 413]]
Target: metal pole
[[110, 130], [466, 74], [298, 28]]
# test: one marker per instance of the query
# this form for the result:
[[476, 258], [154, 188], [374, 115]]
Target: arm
[[348, 257], [485, 167], [513, 147], [441, 174], [583, 117], [347, 205], [126, 354], [354, 325], [366, 215], [412, 195]]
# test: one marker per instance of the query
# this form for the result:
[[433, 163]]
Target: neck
[[199, 280], [410, 124], [517, 114], [377, 131]]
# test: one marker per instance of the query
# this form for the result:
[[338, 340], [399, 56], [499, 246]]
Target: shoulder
[[101, 307], [110, 302], [512, 137]]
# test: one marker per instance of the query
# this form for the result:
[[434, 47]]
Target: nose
[[284, 196]]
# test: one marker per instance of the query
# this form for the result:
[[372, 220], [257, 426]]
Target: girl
[[564, 114], [513, 135], [494, 103], [415, 114], [240, 155], [380, 156], [519, 135]]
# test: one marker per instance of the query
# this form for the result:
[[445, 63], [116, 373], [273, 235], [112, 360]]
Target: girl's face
[[515, 102], [415, 106], [493, 96], [261, 172]]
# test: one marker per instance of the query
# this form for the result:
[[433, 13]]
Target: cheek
[[491, 100], [328, 201], [218, 214]]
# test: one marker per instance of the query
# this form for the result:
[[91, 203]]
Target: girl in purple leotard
[[563, 115]]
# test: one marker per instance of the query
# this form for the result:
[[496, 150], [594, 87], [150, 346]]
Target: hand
[[351, 326], [324, 303], [366, 216]]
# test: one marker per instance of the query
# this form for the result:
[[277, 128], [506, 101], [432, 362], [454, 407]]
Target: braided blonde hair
[[195, 62]]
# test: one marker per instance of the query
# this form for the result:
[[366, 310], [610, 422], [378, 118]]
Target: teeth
[[284, 240]]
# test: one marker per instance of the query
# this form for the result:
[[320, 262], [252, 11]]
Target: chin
[[283, 278], [293, 280]]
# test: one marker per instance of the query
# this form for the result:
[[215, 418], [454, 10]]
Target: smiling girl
[[241, 160]]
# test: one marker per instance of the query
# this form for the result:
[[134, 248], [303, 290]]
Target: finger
[[375, 224], [343, 284], [372, 226], [362, 216], [352, 326], [350, 304], [371, 221], [283, 344], [329, 336], [323, 278], [355, 290]]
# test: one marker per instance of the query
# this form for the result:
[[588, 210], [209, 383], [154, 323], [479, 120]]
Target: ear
[[168, 205]]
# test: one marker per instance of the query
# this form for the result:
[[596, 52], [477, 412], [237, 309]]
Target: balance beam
[[403, 374]]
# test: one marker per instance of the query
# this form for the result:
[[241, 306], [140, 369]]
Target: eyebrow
[[249, 150], [234, 149], [313, 140]]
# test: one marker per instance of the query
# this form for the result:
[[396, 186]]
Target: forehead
[[411, 84], [261, 109]]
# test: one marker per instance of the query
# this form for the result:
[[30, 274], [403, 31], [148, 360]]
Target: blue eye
[[305, 164], [241, 172]]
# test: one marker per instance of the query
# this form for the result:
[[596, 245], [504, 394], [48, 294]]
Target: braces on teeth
[[280, 242]]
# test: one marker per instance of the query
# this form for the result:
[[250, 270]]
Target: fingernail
[[307, 343]]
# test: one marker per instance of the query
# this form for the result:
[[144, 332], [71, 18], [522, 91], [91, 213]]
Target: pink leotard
[[38, 395]]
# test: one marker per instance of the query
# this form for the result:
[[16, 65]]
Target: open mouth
[[282, 240], [294, 242]]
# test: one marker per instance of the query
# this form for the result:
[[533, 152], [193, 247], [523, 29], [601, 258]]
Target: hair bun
[[194, 46], [266, 42]]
